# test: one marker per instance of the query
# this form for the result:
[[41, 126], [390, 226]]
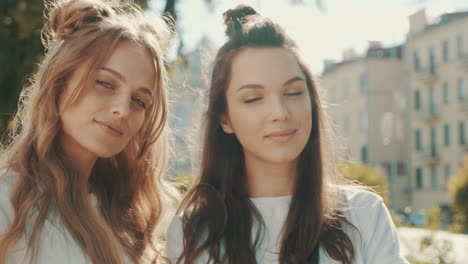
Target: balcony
[[429, 157], [430, 113], [428, 76]]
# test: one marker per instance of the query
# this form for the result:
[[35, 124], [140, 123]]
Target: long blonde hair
[[129, 187]]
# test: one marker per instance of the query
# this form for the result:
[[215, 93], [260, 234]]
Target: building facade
[[405, 108]]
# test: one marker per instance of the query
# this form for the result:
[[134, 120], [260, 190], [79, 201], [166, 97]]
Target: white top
[[367, 212], [56, 245]]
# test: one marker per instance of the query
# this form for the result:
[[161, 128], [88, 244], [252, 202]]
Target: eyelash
[[109, 86], [139, 102], [294, 94], [105, 84], [252, 100], [259, 98]]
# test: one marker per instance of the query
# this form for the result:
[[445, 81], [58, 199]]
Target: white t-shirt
[[377, 242], [56, 245]]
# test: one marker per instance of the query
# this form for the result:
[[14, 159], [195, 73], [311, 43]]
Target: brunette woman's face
[[110, 112], [269, 107]]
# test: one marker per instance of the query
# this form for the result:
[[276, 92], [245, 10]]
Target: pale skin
[[111, 112], [269, 111]]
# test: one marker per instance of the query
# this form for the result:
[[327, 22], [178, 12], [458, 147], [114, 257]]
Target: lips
[[282, 135], [109, 128]]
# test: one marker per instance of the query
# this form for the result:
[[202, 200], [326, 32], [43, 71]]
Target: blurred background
[[394, 74]]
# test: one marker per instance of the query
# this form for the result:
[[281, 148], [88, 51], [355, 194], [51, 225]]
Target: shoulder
[[174, 238], [7, 182], [362, 207], [378, 238], [356, 198]]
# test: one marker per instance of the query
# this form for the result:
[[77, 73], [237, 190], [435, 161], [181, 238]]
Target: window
[[445, 51], [364, 121], [434, 178], [432, 65], [363, 83], [419, 178], [364, 154], [417, 100], [346, 89], [447, 171], [334, 96], [460, 46], [433, 142], [347, 126], [432, 100], [461, 129], [446, 135], [416, 62], [446, 95], [460, 89], [418, 140]]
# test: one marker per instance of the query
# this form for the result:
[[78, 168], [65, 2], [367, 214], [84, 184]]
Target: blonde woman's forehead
[[132, 63]]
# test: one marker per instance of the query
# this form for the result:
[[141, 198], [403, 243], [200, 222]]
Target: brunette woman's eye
[[252, 100], [293, 94]]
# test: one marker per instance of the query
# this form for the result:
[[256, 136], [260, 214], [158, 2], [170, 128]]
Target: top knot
[[69, 16], [236, 17]]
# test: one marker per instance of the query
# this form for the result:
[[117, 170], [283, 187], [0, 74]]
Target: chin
[[284, 159], [105, 154]]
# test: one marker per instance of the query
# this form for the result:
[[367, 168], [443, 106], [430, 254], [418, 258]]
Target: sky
[[320, 34]]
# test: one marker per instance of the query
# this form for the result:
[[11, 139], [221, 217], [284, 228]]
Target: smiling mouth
[[282, 136], [109, 129]]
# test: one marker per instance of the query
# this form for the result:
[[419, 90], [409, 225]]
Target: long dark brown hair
[[217, 213]]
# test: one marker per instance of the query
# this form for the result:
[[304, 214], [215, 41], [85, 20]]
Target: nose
[[279, 109], [121, 106]]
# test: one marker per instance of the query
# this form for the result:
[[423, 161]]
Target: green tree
[[368, 176], [458, 189]]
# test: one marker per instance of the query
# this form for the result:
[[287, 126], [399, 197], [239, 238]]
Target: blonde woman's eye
[[104, 84], [139, 102]]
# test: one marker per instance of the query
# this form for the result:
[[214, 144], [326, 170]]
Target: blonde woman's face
[[112, 111], [269, 107]]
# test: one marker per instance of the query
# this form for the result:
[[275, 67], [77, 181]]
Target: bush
[[369, 176], [458, 189]]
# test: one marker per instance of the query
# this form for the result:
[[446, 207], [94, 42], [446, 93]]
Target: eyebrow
[[122, 79], [259, 86]]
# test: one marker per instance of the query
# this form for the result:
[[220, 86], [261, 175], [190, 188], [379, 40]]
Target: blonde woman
[[81, 178]]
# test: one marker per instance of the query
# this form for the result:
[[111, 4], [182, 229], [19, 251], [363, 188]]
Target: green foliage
[[183, 182], [458, 189], [369, 176], [433, 218]]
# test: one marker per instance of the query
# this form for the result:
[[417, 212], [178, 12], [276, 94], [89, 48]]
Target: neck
[[80, 158], [266, 179]]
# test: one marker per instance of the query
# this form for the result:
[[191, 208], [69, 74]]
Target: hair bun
[[68, 16], [234, 18]]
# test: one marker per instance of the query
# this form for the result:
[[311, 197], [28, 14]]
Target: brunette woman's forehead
[[260, 67]]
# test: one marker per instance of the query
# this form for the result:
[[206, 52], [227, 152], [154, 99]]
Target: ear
[[226, 125]]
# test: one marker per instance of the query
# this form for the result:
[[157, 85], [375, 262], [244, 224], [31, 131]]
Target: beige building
[[365, 95], [436, 63], [407, 107]]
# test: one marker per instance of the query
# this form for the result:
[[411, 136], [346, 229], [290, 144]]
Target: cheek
[[245, 121], [135, 124]]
